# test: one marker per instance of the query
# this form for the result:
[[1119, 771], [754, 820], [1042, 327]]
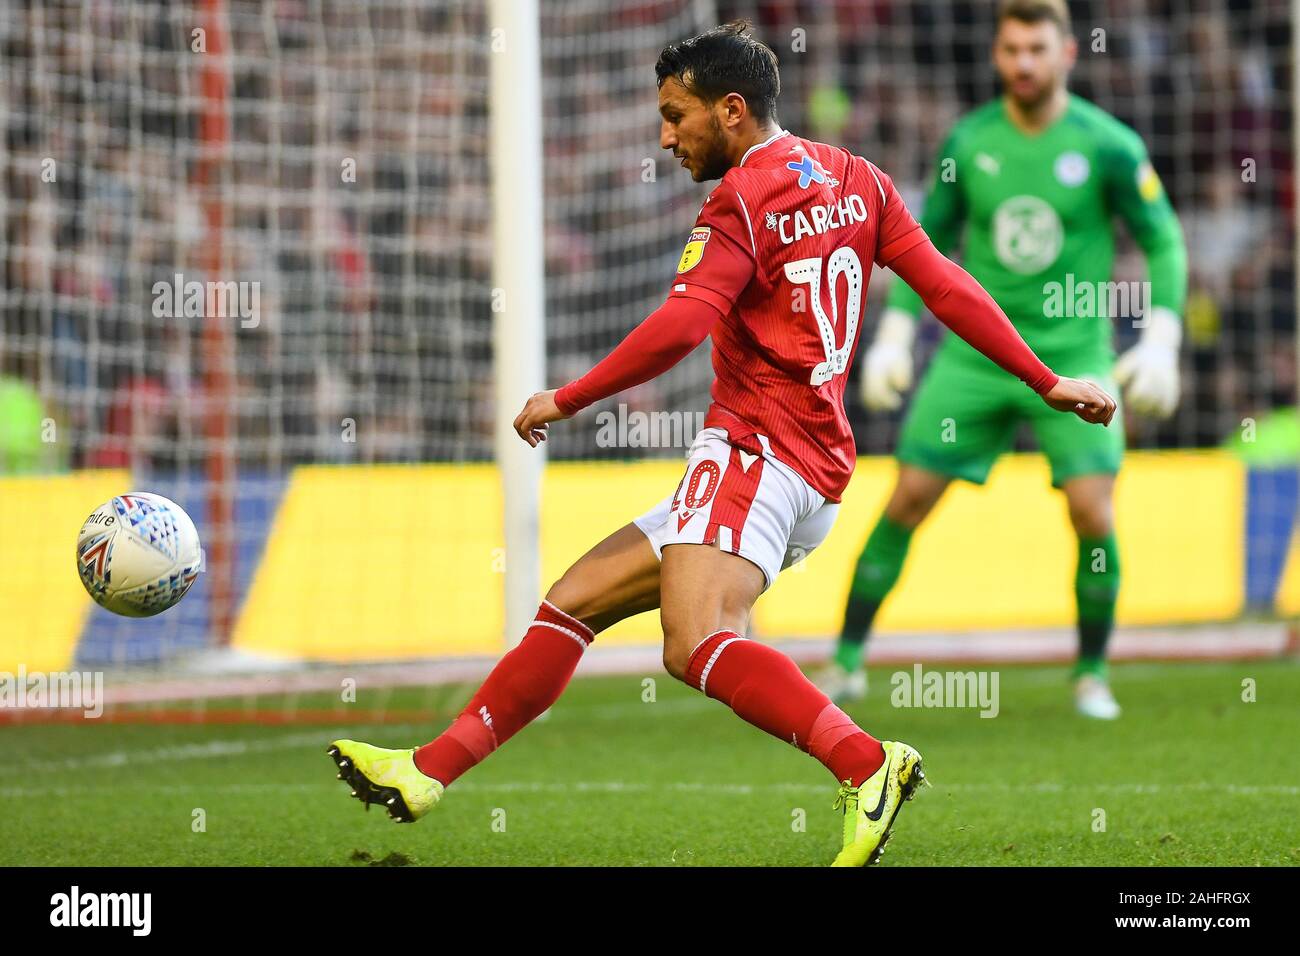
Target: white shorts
[[750, 503]]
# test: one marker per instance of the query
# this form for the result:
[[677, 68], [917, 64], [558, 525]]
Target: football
[[138, 554]]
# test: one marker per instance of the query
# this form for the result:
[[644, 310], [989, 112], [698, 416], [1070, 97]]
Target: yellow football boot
[[389, 777], [869, 810]]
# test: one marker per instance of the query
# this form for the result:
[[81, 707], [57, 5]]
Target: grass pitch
[[1191, 775]]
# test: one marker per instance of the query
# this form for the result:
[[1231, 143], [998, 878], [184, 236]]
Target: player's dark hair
[[1036, 11], [725, 60]]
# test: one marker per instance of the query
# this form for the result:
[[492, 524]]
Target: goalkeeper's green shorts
[[966, 413]]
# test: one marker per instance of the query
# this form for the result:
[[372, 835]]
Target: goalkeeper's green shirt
[[1031, 216]]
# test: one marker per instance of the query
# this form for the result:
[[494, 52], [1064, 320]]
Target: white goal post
[[519, 291]]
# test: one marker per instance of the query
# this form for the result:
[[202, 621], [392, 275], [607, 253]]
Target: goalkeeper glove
[[888, 371], [1149, 370]]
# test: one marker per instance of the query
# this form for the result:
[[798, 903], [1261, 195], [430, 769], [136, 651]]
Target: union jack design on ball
[[93, 561]]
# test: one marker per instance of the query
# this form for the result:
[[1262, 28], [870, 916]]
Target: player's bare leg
[[617, 578], [916, 492], [707, 595], [703, 590], [1096, 584]]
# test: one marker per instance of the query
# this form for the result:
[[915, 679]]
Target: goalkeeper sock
[[1096, 588], [874, 576], [529, 679], [766, 688]]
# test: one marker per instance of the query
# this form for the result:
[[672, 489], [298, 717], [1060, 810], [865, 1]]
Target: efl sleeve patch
[[1148, 182], [694, 250]]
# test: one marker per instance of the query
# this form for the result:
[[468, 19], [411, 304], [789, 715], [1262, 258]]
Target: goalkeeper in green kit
[[1026, 186]]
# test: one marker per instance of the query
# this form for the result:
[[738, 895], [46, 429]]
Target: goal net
[[248, 265]]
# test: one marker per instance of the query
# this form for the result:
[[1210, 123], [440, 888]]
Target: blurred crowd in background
[[353, 188]]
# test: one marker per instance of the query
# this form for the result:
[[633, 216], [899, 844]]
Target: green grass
[[1191, 775]]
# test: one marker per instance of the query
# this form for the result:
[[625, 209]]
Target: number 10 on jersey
[[843, 261]]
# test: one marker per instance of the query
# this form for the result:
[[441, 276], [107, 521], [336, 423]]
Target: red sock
[[524, 683], [766, 688]]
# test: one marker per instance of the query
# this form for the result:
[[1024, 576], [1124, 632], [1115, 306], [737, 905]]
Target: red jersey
[[776, 269], [783, 248]]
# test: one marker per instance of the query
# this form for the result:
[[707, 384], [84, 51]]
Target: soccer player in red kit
[[776, 271]]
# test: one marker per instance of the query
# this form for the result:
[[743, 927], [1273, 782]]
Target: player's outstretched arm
[[961, 303], [887, 366], [667, 336]]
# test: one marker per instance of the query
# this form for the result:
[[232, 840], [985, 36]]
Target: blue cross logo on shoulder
[[809, 171]]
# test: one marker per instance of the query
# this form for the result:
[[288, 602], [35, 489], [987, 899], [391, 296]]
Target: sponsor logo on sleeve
[[694, 250], [1148, 181]]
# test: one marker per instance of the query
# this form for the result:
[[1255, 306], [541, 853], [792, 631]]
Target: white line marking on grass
[[637, 787], [204, 751], [615, 711], [1152, 788], [618, 786]]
